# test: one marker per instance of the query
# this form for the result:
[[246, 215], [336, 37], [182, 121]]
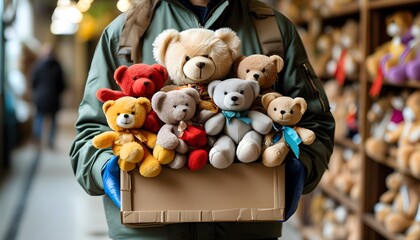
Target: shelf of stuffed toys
[[392, 167]]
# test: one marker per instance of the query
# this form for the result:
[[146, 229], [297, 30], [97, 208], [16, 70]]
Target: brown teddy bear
[[260, 68], [195, 57], [126, 116], [407, 136], [285, 112]]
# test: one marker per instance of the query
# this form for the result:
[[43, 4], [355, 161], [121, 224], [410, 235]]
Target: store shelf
[[370, 220], [342, 198], [343, 11], [377, 4]]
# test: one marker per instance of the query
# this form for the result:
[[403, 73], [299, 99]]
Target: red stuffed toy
[[138, 80]]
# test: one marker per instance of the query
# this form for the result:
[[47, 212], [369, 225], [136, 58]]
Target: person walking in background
[[47, 81]]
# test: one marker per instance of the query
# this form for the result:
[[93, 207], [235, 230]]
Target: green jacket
[[296, 79]]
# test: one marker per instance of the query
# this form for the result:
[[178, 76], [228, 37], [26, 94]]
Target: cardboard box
[[241, 192]]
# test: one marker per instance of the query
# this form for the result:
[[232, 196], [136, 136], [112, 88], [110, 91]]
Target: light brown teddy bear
[[195, 57], [260, 68], [285, 112], [407, 136], [126, 116]]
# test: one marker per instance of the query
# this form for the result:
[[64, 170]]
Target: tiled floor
[[41, 200]]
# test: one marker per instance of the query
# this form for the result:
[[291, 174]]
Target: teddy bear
[[413, 232], [176, 108], [286, 112], [404, 207], [260, 68], [126, 116], [407, 136], [137, 80], [195, 57], [412, 72], [345, 54], [388, 54], [383, 207], [237, 128]]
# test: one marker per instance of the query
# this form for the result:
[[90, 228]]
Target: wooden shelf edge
[[349, 203], [370, 221], [352, 8], [390, 3]]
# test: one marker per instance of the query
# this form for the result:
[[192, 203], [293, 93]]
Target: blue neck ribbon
[[243, 116], [290, 136]]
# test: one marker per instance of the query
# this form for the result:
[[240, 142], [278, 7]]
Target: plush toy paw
[[150, 167], [178, 162], [397, 74], [164, 156], [222, 154], [275, 155], [197, 159], [152, 122], [132, 152], [249, 149]]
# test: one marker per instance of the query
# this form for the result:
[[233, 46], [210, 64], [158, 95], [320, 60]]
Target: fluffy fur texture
[[197, 55], [237, 129], [285, 112], [126, 116]]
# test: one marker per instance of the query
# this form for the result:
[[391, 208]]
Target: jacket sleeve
[[298, 79], [87, 161]]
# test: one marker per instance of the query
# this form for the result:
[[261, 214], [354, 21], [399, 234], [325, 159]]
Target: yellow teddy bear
[[126, 116]]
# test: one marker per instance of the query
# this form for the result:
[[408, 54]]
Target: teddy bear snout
[[256, 76], [200, 64], [125, 120], [234, 98]]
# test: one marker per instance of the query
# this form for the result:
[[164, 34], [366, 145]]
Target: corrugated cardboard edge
[[159, 217]]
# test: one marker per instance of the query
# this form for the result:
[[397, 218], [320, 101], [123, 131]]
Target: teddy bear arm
[[260, 122], [105, 139], [166, 138], [215, 124], [307, 136], [105, 94]]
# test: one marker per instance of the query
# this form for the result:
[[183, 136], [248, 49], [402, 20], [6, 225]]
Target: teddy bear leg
[[403, 155], [132, 152], [414, 163], [249, 148], [396, 222], [274, 155], [164, 156], [150, 166], [197, 159], [222, 153], [126, 166], [178, 162]]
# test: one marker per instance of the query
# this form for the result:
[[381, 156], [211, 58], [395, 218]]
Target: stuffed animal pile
[[202, 103]]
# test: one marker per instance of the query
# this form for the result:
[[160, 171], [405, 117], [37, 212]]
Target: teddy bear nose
[[126, 116], [282, 112], [184, 110], [256, 76], [200, 64], [234, 98], [146, 83]]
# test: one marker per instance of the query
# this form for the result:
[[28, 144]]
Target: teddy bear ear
[[162, 71], [145, 103], [161, 43], [268, 98], [212, 85], [158, 100], [107, 105], [193, 93], [118, 74], [232, 41], [278, 61], [302, 102], [255, 87]]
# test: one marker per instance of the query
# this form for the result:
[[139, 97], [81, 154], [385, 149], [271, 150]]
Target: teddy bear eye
[[241, 92], [186, 104], [132, 113], [225, 93], [263, 70], [150, 77], [247, 71], [275, 109], [187, 58], [206, 56], [291, 111], [174, 106]]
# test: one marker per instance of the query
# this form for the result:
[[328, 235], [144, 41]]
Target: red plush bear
[[138, 80]]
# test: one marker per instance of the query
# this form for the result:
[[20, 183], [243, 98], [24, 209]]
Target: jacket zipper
[[318, 93]]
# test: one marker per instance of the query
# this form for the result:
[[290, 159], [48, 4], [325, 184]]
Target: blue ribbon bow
[[243, 116], [290, 136]]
